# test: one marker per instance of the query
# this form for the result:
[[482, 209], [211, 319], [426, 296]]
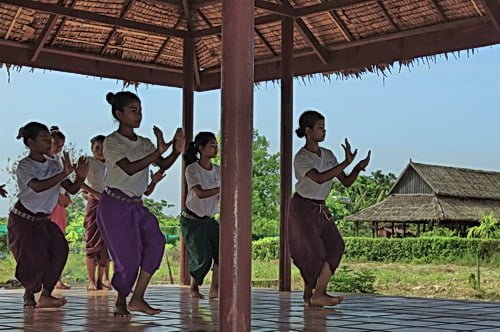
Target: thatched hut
[[431, 195]]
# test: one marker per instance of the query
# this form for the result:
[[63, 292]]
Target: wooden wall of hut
[[412, 183]]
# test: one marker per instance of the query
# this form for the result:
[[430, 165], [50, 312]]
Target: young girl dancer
[[38, 245], [130, 231], [199, 228], [96, 252], [316, 245]]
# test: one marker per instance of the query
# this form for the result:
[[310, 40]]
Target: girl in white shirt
[[130, 231], [199, 228], [97, 257], [38, 245], [316, 245]]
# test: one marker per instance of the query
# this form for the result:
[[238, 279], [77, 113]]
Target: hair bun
[[54, 128], [110, 98], [20, 133], [300, 132]]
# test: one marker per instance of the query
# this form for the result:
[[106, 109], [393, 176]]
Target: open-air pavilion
[[231, 44]]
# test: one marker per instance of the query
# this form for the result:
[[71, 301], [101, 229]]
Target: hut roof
[[459, 194], [142, 40], [425, 208]]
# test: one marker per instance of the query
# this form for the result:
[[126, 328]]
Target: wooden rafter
[[264, 41], [387, 16], [439, 10], [11, 25], [165, 43], [61, 25], [44, 35], [126, 9], [297, 13], [274, 8], [95, 17], [492, 8], [340, 25]]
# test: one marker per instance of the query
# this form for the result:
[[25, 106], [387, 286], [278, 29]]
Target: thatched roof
[[425, 208], [142, 40], [455, 194]]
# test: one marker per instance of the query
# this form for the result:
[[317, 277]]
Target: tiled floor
[[271, 311]]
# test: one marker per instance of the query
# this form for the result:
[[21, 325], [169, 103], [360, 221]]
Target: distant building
[[430, 195]]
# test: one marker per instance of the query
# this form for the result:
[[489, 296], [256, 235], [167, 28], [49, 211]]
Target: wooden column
[[187, 125], [236, 165], [285, 272]]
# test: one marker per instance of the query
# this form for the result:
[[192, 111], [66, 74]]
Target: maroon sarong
[[132, 235], [314, 238], [39, 248], [94, 244]]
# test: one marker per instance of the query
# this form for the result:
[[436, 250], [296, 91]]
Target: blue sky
[[447, 113]]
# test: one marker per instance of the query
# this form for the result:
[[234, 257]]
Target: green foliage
[[346, 280], [75, 213], [439, 232], [425, 250], [168, 224], [489, 228]]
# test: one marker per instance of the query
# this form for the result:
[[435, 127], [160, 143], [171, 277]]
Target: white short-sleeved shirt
[[118, 147], [207, 179], [95, 178], [29, 169], [305, 161]]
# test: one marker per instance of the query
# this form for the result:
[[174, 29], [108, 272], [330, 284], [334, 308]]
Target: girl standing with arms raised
[[316, 245], [96, 252], [38, 245], [199, 228], [129, 230]]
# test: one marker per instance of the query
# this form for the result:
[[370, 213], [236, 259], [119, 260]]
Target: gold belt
[[123, 199], [29, 217]]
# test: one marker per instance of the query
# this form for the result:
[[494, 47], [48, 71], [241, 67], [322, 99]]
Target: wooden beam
[[18, 53], [297, 13], [265, 42], [492, 8], [388, 16], [274, 8], [11, 25], [340, 25], [126, 8], [405, 45], [309, 37], [165, 43], [439, 10], [188, 15], [44, 35], [95, 17], [61, 25]]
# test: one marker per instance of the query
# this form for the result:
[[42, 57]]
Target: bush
[[397, 250], [346, 280]]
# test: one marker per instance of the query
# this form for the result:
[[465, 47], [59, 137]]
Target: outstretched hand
[[3, 192], [349, 155], [361, 166], [179, 140], [157, 176], [82, 167], [66, 162], [161, 145]]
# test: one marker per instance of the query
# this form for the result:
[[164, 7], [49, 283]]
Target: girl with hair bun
[[199, 228], [131, 233], [37, 244], [316, 245]]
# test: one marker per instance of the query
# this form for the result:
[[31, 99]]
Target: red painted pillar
[[187, 125], [285, 278], [236, 208]]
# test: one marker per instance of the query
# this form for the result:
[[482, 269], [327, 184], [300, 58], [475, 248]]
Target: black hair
[[119, 100], [191, 154], [56, 133], [98, 138], [307, 120], [31, 131]]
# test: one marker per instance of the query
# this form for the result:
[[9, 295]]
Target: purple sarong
[[314, 238], [39, 248], [94, 244], [132, 235]]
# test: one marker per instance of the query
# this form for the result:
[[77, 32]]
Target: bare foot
[[324, 300], [62, 285], [338, 298], [29, 300], [105, 284], [307, 301], [213, 293], [49, 301], [142, 306], [195, 294], [92, 286], [121, 308]]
